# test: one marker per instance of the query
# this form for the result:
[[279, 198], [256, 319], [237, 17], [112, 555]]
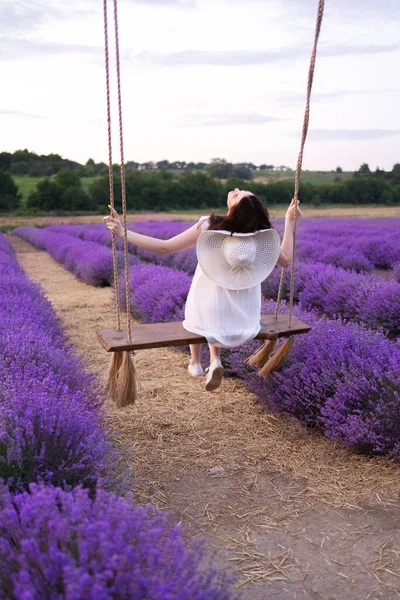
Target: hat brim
[[216, 268]]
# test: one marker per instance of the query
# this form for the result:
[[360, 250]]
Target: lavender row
[[354, 244], [185, 260], [336, 292], [57, 544], [341, 378], [69, 543], [359, 244], [50, 415], [90, 262]]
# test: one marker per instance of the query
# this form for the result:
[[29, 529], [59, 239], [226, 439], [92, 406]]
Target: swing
[[122, 343]]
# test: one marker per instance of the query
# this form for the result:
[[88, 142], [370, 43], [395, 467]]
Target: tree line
[[162, 192], [24, 162]]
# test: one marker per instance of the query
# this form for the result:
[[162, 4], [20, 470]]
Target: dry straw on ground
[[386, 568]]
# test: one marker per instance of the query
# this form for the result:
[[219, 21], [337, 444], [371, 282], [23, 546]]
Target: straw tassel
[[115, 365], [260, 356], [278, 358], [122, 383]]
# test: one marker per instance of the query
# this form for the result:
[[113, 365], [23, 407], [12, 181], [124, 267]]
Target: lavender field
[[343, 378]]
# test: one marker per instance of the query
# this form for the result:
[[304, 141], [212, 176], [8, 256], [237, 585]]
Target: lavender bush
[[340, 377], [396, 271], [335, 292], [356, 244], [185, 260], [63, 545], [50, 412], [157, 293], [88, 261]]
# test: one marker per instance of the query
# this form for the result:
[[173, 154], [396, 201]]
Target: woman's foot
[[195, 369], [214, 375]]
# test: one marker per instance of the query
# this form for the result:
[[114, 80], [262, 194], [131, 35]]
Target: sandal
[[195, 369], [215, 373]]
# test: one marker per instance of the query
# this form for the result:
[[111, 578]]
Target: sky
[[204, 79]]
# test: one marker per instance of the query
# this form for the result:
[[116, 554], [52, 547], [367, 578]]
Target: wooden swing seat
[[160, 335]]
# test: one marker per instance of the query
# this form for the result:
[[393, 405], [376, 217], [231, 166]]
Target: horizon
[[272, 167], [215, 79]]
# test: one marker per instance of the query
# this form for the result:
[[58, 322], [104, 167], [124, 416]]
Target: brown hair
[[247, 216]]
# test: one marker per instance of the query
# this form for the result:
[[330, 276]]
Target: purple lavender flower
[[341, 378], [356, 244], [396, 272], [57, 544], [50, 408], [156, 293], [90, 262], [381, 308], [336, 292]]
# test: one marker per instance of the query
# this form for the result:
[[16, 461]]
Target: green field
[[27, 184], [316, 177]]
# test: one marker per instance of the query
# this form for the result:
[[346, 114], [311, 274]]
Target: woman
[[224, 300]]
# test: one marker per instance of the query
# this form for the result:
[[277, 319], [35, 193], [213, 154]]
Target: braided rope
[[123, 185], [279, 298], [295, 200], [320, 14], [110, 167]]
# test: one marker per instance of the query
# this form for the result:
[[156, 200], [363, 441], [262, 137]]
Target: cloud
[[251, 57], [296, 99], [180, 3], [17, 113], [17, 16], [357, 49], [14, 47], [351, 134], [359, 9], [26, 15], [221, 57], [230, 119], [21, 48]]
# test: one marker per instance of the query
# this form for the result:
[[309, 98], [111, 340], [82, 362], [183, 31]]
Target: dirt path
[[292, 514]]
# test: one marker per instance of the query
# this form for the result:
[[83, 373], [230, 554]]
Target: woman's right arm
[[184, 240], [285, 256]]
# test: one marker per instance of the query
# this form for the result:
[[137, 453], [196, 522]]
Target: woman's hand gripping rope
[[292, 211], [113, 222]]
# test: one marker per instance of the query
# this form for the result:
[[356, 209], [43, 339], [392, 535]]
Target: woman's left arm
[[184, 240], [285, 256]]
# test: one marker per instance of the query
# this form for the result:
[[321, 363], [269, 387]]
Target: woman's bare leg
[[215, 353], [195, 350], [194, 367]]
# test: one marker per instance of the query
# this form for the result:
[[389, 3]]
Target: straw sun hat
[[238, 261]]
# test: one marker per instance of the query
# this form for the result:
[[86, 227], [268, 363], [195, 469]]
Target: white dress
[[226, 318]]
